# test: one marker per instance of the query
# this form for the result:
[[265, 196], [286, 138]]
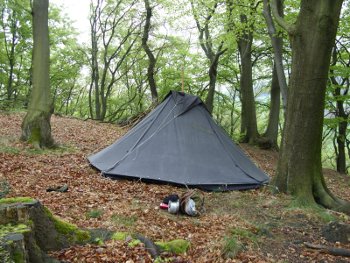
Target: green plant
[[237, 240], [232, 246], [4, 188], [94, 213]]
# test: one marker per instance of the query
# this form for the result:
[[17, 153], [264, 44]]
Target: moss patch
[[14, 200], [120, 236], [134, 243], [18, 257], [72, 232], [177, 246], [9, 228]]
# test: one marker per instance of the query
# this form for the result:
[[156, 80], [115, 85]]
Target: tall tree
[[249, 126], [152, 60], [15, 48], [299, 170], [277, 45], [243, 30], [206, 42], [36, 127], [114, 29], [278, 83], [338, 87]]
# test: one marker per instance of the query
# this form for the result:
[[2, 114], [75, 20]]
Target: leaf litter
[[267, 229]]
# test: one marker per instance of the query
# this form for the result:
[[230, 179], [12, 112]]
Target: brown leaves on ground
[[270, 231]]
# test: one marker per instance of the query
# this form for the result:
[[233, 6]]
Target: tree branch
[[290, 28]]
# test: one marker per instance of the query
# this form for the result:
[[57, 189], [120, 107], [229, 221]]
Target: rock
[[337, 232]]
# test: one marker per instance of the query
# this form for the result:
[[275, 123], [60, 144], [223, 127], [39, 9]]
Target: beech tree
[[36, 127], [279, 82], [114, 29], [152, 60], [15, 47], [206, 42], [299, 170]]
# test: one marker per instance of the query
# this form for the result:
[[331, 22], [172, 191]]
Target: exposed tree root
[[329, 250], [326, 198]]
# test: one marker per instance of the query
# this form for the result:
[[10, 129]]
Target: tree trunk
[[213, 72], [249, 124], [277, 45], [36, 127], [342, 116], [151, 58], [341, 157], [271, 133], [299, 170], [94, 85]]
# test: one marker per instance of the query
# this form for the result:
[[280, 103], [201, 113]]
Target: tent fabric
[[179, 143]]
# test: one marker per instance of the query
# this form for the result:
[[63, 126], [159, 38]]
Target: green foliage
[[15, 47], [94, 213]]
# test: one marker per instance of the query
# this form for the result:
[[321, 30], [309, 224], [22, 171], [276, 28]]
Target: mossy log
[[28, 231]]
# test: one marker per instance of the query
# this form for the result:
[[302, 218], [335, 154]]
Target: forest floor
[[254, 225]]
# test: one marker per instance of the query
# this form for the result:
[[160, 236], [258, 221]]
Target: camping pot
[[173, 207], [190, 208]]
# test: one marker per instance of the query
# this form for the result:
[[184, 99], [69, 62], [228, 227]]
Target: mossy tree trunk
[[299, 170], [36, 127]]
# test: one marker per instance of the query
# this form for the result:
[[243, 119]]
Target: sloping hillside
[[259, 226]]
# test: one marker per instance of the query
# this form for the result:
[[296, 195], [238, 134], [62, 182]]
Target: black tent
[[179, 143]]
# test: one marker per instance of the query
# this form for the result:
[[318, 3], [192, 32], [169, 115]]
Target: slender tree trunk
[[277, 45], [94, 85], [11, 56], [213, 72], [341, 157], [299, 170], [343, 118], [249, 122], [151, 58], [271, 133], [36, 127]]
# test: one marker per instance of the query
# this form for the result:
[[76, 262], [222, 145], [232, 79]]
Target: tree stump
[[28, 231]]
